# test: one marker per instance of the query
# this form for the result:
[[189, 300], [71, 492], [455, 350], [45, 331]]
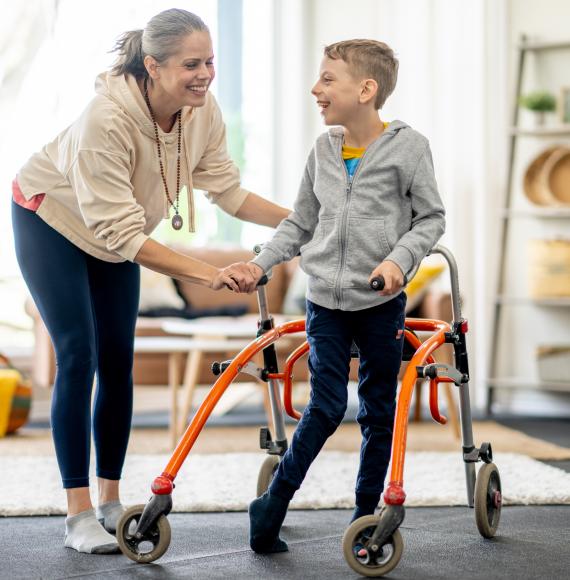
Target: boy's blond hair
[[368, 59]]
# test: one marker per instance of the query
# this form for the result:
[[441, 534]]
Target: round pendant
[[177, 221]]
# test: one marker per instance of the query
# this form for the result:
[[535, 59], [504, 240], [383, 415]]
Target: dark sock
[[360, 512], [366, 504], [266, 515]]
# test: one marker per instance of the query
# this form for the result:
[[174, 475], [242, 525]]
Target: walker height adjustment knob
[[442, 371]]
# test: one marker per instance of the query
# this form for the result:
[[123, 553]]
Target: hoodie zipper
[[344, 222]]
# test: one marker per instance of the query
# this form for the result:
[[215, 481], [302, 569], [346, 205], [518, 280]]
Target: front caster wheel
[[148, 548], [364, 560], [488, 500], [266, 473]]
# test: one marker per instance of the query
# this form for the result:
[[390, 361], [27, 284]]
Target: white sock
[[109, 513], [85, 534]]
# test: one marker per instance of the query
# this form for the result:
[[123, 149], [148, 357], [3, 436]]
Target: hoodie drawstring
[[189, 188]]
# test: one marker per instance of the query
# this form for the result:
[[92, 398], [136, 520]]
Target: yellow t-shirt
[[354, 153]]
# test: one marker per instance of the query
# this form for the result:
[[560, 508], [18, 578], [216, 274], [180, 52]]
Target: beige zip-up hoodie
[[101, 175]]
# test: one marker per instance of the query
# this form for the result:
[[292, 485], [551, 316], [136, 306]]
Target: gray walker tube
[[464, 402], [273, 385]]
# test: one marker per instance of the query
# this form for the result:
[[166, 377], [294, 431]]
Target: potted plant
[[540, 102]]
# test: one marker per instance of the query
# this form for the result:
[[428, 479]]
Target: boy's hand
[[237, 277], [393, 277], [256, 271]]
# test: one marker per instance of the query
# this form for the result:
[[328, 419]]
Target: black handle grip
[[218, 368], [377, 283], [262, 282]]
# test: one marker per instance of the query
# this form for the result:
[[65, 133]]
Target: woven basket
[[556, 171], [545, 180], [549, 268]]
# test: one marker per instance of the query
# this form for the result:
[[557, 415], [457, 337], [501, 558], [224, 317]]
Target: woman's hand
[[236, 277], [393, 277], [256, 272]]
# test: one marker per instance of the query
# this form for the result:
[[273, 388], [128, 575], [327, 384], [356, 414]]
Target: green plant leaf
[[538, 101]]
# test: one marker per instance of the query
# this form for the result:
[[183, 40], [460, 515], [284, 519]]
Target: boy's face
[[337, 92]]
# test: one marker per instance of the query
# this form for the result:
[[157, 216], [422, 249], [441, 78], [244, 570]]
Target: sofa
[[151, 368]]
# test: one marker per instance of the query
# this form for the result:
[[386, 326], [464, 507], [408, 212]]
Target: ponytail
[[130, 59]]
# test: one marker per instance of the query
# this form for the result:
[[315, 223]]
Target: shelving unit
[[543, 213], [509, 213]]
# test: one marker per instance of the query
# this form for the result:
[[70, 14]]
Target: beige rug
[[424, 436]]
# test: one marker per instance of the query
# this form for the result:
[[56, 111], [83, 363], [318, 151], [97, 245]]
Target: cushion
[[419, 284], [158, 291]]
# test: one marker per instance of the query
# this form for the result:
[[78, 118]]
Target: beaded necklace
[[176, 218]]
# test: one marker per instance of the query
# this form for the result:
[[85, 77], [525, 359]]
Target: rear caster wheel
[[365, 561], [148, 548], [266, 473], [488, 500]]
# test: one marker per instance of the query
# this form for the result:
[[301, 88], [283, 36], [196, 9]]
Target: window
[[48, 68]]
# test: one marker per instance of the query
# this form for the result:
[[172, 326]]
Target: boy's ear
[[368, 90]]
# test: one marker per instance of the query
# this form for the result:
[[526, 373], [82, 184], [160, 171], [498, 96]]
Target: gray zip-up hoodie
[[343, 228]]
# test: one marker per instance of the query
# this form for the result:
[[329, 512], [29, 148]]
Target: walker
[[372, 545]]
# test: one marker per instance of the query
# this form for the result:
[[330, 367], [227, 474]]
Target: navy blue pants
[[377, 334], [89, 307]]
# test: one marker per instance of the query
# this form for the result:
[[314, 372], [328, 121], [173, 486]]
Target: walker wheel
[[488, 500], [148, 548], [363, 560], [266, 473]]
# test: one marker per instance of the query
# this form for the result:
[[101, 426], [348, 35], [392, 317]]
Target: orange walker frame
[[164, 482], [150, 519]]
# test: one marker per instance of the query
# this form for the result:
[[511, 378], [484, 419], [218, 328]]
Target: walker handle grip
[[377, 283]]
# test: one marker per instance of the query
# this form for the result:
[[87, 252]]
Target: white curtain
[[24, 27], [451, 88]]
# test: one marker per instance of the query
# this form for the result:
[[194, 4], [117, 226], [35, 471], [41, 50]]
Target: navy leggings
[[378, 335], [89, 307]]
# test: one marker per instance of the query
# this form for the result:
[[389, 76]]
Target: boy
[[368, 206]]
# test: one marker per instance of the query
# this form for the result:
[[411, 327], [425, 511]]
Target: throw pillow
[[418, 285], [158, 291]]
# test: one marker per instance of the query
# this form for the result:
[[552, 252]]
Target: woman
[[83, 210]]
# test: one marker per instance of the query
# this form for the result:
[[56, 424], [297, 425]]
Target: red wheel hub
[[497, 499]]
